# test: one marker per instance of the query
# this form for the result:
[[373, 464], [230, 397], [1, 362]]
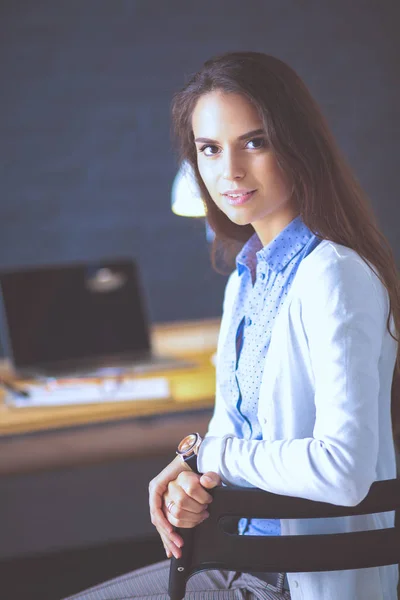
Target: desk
[[191, 388], [35, 439], [77, 476]]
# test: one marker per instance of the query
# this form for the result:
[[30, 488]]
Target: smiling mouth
[[238, 199]]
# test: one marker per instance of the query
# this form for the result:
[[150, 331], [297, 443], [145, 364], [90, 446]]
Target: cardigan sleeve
[[344, 319]]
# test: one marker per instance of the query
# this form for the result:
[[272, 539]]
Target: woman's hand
[[185, 504], [186, 501], [157, 488], [182, 490]]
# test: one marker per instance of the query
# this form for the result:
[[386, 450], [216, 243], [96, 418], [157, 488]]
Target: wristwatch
[[188, 449]]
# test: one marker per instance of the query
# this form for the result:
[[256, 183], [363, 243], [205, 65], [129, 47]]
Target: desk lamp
[[186, 195], [186, 200]]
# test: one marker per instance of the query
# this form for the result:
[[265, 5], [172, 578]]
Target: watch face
[[187, 443]]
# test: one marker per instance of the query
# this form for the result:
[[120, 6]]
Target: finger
[[158, 485], [178, 500], [172, 535], [155, 503], [159, 519], [179, 517], [190, 483], [188, 520], [210, 480], [171, 549], [167, 551], [172, 542]]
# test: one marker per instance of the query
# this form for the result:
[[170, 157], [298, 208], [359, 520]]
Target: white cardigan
[[324, 408]]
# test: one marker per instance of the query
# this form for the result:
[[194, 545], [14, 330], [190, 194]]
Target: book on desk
[[86, 391]]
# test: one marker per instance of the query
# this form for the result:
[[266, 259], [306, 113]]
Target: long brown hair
[[329, 198]]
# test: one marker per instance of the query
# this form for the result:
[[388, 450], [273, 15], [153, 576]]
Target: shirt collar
[[279, 252]]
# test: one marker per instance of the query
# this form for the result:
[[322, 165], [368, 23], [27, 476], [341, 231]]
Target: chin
[[239, 219], [241, 222]]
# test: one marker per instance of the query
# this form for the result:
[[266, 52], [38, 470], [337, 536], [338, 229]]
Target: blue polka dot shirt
[[266, 274]]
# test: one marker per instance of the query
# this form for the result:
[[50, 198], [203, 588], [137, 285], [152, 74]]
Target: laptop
[[79, 319]]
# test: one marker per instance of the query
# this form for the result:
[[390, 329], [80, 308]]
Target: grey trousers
[[151, 583]]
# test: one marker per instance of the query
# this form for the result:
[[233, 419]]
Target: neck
[[268, 228]]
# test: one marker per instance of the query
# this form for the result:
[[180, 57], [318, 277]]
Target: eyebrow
[[245, 136]]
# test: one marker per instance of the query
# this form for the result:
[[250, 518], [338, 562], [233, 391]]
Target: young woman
[[308, 349]]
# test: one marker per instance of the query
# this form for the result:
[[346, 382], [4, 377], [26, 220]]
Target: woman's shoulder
[[334, 260], [328, 252], [332, 267]]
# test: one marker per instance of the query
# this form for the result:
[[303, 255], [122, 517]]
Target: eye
[[208, 150], [257, 143]]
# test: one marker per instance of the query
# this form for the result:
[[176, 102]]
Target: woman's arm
[[172, 483], [344, 319]]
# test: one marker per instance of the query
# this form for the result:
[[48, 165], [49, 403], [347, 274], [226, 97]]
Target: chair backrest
[[210, 546]]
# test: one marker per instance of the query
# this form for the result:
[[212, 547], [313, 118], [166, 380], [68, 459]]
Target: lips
[[238, 197]]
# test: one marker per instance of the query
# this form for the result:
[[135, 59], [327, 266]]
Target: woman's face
[[237, 166]]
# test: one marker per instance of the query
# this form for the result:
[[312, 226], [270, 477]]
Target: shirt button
[[248, 321], [296, 583], [262, 276]]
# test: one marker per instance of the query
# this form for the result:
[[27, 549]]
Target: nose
[[232, 166]]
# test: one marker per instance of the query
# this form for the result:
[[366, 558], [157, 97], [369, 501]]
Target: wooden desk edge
[[92, 444]]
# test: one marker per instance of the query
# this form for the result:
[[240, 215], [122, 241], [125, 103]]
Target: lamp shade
[[186, 199]]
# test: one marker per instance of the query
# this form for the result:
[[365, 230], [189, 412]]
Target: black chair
[[211, 546]]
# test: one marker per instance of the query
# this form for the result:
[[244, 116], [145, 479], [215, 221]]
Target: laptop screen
[[74, 312]]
